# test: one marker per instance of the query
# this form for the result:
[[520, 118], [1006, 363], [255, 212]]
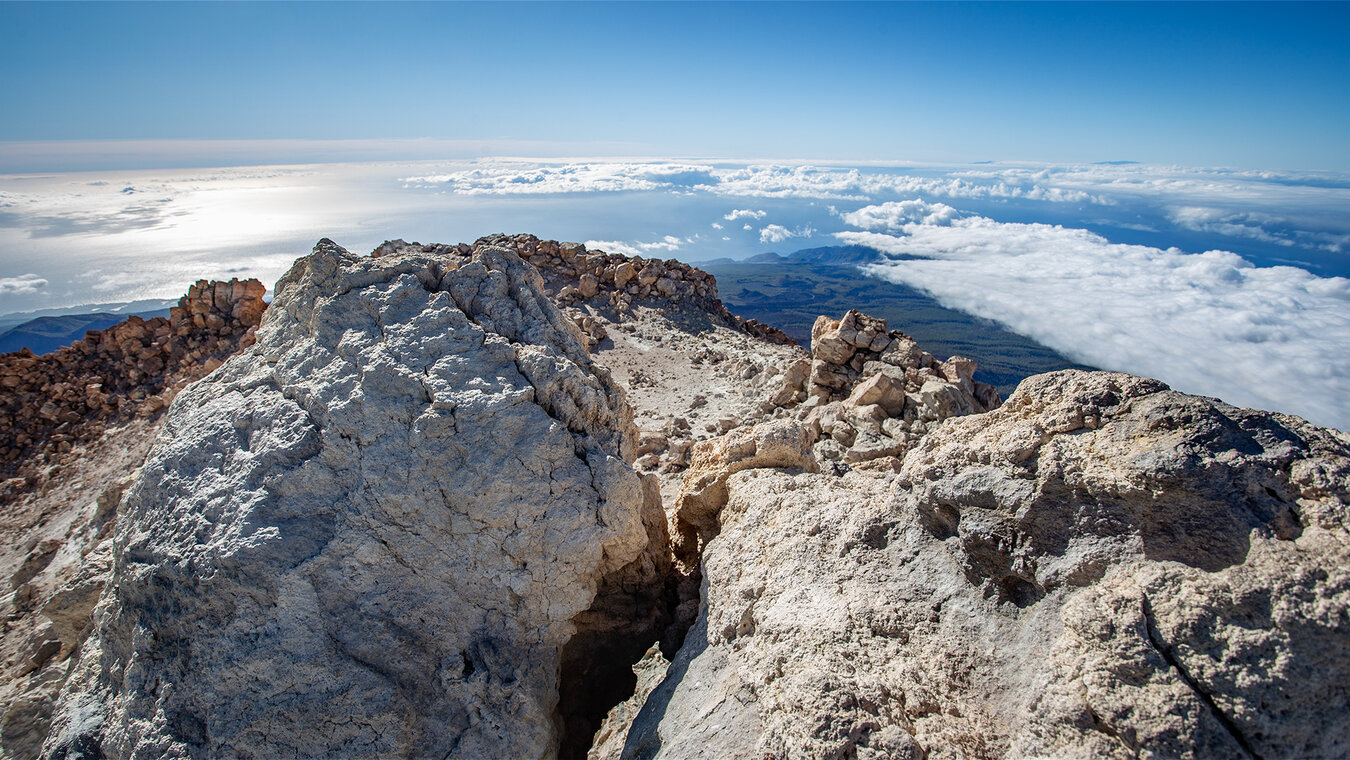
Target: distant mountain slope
[[789, 292], [46, 334]]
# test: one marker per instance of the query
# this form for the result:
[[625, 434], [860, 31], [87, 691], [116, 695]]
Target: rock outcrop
[[461, 501], [371, 532], [872, 393], [51, 403], [1099, 568], [576, 276]]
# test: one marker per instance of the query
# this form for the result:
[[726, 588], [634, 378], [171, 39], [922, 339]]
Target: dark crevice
[[634, 606], [597, 663], [1155, 637]]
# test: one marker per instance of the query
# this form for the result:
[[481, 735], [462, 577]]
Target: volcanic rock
[[368, 534], [1101, 567]]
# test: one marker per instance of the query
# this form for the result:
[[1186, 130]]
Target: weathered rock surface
[[52, 403], [370, 533], [780, 444], [578, 277], [1099, 568], [57, 555]]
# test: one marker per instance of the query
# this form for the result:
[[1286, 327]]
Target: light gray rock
[[781, 443], [369, 534], [880, 389], [1101, 567]]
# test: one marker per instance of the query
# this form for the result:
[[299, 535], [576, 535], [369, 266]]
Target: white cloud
[[747, 227], [894, 215], [777, 233], [1252, 224], [745, 213], [717, 225], [24, 283], [531, 178], [514, 177], [1283, 208], [1209, 323], [667, 243]]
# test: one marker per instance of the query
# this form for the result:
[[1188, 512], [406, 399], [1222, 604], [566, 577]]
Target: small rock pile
[[574, 275], [872, 393], [52, 402]]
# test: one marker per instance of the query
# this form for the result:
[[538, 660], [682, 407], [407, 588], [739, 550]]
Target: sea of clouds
[[1221, 282], [1208, 323]]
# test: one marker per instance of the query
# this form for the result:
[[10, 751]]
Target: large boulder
[[371, 532], [1101, 567]]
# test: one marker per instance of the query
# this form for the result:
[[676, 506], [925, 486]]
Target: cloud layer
[[751, 181], [1270, 208], [664, 245], [895, 215], [1209, 323]]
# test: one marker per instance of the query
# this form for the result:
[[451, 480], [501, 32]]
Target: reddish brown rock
[[50, 403]]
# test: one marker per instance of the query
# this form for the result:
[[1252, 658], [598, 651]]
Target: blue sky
[[1247, 85]]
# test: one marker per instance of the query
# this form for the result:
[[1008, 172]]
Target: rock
[[782, 444], [986, 396], [827, 375], [39, 557], [942, 400], [792, 385], [73, 389], [400, 524], [959, 370], [868, 447], [1101, 567], [40, 648], [610, 738], [651, 442], [828, 345], [857, 360], [879, 389], [373, 529]]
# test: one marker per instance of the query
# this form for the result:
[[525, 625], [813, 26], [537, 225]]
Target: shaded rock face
[[1099, 568], [371, 532]]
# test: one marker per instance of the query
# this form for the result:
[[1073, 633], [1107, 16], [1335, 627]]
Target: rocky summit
[[522, 499]]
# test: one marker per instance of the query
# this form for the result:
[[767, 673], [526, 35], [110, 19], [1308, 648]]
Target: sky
[[1246, 85]]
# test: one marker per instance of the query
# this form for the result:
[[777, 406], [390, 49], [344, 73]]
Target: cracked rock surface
[[1101, 567], [368, 534]]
